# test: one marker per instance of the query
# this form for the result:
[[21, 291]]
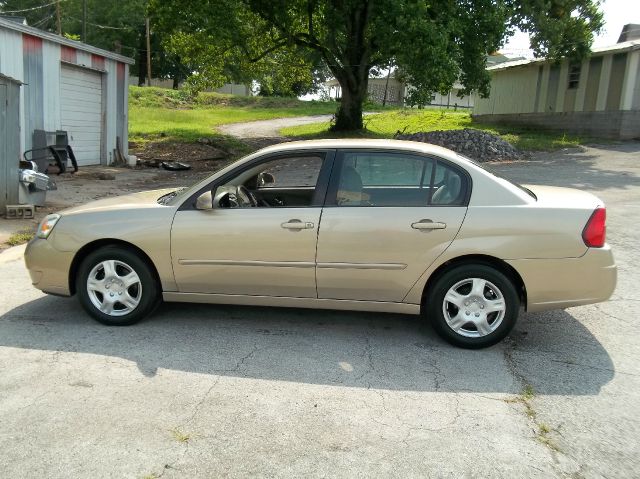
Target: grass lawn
[[386, 124], [157, 113]]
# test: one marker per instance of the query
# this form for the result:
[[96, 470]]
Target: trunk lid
[[567, 198]]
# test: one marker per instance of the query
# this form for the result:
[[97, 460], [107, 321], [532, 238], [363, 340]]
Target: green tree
[[433, 42], [115, 25]]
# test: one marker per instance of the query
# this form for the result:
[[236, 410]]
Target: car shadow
[[553, 351]]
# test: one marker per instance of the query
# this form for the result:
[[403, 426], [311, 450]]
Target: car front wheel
[[116, 287], [473, 306]]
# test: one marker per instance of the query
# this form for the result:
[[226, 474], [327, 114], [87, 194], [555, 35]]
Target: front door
[[388, 217], [259, 235]]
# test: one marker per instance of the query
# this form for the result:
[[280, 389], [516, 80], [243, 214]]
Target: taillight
[[595, 230]]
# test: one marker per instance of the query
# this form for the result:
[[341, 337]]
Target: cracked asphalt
[[221, 391]]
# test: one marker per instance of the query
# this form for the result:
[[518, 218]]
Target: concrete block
[[20, 212]]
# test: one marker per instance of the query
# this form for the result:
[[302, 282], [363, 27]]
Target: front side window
[[395, 179], [281, 182]]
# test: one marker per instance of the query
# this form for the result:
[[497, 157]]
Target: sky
[[617, 13]]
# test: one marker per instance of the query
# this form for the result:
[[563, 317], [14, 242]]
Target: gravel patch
[[476, 144]]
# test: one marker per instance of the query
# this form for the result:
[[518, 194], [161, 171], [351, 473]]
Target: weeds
[[542, 430], [20, 237], [180, 436]]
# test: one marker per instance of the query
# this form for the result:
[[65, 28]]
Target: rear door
[[388, 216]]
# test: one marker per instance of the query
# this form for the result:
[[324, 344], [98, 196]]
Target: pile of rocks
[[476, 144]]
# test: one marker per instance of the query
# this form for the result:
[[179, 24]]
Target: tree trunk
[[176, 82], [352, 69], [349, 114]]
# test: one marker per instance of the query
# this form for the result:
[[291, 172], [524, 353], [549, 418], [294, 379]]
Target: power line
[[43, 21], [31, 9], [100, 26]]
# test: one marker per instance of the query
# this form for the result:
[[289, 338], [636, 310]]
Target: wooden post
[[148, 52], [386, 88]]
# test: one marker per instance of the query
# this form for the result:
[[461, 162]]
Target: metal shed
[[68, 85], [9, 140]]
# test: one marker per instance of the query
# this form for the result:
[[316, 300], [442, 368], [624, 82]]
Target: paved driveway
[[208, 391]]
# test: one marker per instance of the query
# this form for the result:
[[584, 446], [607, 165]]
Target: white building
[[67, 85], [599, 96]]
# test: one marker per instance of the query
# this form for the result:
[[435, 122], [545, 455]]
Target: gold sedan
[[369, 225]]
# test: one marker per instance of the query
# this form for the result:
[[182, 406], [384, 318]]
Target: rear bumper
[[48, 267], [567, 282]]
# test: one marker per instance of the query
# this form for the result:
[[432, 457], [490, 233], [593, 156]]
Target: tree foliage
[[115, 25], [434, 43]]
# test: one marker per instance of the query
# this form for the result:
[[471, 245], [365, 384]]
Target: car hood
[[554, 196], [144, 199]]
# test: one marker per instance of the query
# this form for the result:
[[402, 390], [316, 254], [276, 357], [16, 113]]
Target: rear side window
[[396, 179], [389, 170], [448, 186]]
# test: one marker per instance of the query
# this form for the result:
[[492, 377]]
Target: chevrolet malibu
[[368, 225]]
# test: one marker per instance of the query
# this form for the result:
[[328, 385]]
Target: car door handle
[[297, 225], [428, 225]]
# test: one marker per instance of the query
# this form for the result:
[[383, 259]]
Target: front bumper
[[566, 282], [48, 267]]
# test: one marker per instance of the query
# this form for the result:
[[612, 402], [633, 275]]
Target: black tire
[[148, 296], [469, 334]]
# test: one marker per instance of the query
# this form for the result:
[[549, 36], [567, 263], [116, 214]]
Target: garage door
[[81, 112]]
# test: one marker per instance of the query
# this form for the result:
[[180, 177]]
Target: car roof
[[363, 143]]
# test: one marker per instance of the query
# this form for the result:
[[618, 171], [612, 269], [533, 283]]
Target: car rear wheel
[[116, 287], [473, 306]]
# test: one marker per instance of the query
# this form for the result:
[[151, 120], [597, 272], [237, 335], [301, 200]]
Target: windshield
[[486, 168]]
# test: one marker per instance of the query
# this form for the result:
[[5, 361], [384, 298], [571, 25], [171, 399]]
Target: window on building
[[574, 76]]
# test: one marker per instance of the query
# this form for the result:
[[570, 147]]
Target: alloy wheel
[[474, 307], [114, 288]]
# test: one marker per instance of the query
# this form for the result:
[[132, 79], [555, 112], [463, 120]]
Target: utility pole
[[84, 21], [148, 52], [58, 23]]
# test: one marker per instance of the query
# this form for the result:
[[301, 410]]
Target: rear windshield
[[489, 170]]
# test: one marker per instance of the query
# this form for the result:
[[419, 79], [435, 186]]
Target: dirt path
[[268, 128]]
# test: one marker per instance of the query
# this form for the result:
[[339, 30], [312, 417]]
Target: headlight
[[46, 226]]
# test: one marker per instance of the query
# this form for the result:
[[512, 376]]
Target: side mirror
[[265, 178], [204, 201]]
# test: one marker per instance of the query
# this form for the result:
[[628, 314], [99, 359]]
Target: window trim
[[334, 182], [321, 187]]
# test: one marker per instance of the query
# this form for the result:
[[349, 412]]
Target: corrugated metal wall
[[11, 65], [9, 142], [543, 87], [34, 85], [37, 61]]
